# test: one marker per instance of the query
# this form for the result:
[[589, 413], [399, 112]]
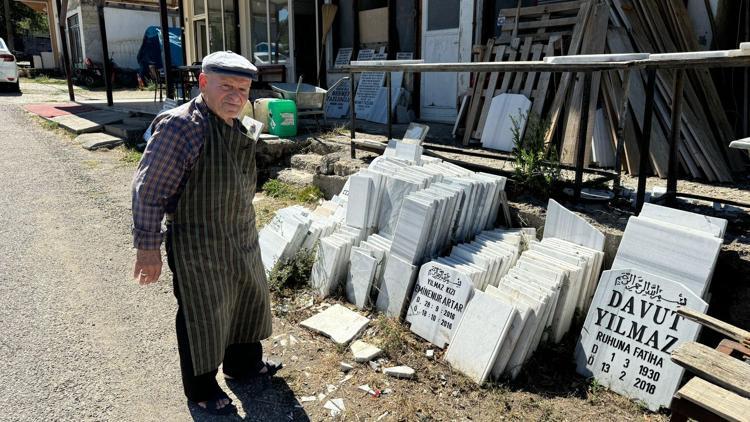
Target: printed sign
[[337, 101], [631, 328], [367, 93], [343, 57]]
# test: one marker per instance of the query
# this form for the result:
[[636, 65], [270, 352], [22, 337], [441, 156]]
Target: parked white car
[[8, 67]]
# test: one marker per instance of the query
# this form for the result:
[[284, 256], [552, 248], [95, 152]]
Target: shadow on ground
[[262, 400]]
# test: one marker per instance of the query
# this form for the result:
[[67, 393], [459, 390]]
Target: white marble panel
[[566, 225], [477, 339], [498, 129], [663, 250]]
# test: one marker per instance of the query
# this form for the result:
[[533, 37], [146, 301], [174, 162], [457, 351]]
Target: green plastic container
[[282, 118]]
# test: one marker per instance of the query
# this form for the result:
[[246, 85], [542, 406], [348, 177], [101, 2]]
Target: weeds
[[131, 156], [292, 273], [339, 130], [44, 79], [392, 336], [280, 190], [532, 168]]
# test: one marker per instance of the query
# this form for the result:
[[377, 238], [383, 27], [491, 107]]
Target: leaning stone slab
[[94, 141], [567, 225], [337, 322], [364, 352], [92, 121], [630, 331]]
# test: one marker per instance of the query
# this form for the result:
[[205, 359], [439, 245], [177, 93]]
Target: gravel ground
[[79, 339]]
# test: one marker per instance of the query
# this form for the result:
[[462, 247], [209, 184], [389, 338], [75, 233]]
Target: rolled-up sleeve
[[158, 178]]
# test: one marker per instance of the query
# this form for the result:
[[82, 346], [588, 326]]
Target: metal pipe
[[61, 20], [352, 121], [674, 136], [541, 66], [388, 119], [644, 146], [167, 49], [583, 126], [105, 52]]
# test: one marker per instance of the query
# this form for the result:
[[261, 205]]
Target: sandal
[[212, 405], [271, 369]]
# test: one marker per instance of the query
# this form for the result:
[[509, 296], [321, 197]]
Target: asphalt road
[[79, 339]]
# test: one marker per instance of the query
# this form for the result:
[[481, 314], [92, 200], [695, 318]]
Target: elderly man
[[199, 170]]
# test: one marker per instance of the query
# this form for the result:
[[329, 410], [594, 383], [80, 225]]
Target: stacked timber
[[618, 98]]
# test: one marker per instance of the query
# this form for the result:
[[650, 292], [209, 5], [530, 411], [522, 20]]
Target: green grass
[[131, 156], [44, 79], [280, 190], [340, 130]]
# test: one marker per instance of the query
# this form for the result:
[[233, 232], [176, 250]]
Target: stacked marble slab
[[533, 301], [366, 266], [673, 244], [284, 235], [446, 284], [332, 259]]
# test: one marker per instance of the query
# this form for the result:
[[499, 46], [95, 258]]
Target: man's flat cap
[[229, 63]]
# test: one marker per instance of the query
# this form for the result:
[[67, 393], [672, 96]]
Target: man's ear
[[202, 81]]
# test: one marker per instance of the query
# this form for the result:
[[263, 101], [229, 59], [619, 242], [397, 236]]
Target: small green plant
[[44, 79], [338, 130], [280, 190], [131, 156], [535, 169], [594, 391], [292, 273], [392, 336]]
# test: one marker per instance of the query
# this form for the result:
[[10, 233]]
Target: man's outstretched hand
[[147, 266]]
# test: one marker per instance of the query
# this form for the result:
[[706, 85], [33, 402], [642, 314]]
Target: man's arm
[[157, 178]]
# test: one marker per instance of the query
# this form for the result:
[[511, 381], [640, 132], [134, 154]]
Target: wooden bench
[[721, 389]]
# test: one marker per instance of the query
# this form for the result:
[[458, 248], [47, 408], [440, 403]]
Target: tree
[[23, 20]]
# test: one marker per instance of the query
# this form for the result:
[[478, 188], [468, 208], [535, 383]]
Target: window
[[270, 21], [442, 14], [214, 27]]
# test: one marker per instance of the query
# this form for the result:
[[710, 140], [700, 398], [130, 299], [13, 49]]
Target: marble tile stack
[[332, 259], [367, 264], [284, 235], [674, 244]]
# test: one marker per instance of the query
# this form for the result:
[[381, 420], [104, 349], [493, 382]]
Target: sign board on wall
[[631, 329]]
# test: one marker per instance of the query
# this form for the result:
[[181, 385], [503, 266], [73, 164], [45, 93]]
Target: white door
[[446, 38]]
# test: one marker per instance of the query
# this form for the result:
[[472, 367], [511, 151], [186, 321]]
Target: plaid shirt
[[177, 137]]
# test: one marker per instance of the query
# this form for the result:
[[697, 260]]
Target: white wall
[[125, 29]]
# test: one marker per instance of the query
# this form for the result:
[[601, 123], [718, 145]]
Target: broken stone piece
[[345, 367], [337, 322], [364, 352], [399, 372], [430, 354]]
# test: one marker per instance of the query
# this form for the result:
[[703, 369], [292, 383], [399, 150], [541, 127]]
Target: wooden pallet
[[528, 33]]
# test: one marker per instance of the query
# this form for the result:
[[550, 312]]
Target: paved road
[[79, 340]]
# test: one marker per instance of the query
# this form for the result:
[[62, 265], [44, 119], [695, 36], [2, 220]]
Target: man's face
[[225, 95]]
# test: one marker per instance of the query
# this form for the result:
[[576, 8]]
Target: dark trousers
[[239, 359]]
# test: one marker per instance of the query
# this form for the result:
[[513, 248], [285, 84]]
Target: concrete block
[[329, 184]]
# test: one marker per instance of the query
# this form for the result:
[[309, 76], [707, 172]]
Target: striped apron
[[223, 286]]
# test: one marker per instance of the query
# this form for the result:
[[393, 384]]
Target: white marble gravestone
[[478, 337], [437, 303], [498, 130], [566, 225], [630, 331], [669, 251]]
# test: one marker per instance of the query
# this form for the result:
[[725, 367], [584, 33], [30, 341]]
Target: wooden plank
[[524, 56], [541, 92], [594, 43], [570, 6], [730, 347], [562, 91], [489, 93], [537, 37], [476, 97], [735, 333], [461, 113], [712, 365], [613, 87], [528, 87], [719, 401], [549, 23]]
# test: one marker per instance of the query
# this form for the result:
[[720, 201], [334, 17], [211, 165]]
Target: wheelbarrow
[[310, 99]]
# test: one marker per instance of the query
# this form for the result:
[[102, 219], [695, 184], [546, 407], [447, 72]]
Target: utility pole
[[64, 40]]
